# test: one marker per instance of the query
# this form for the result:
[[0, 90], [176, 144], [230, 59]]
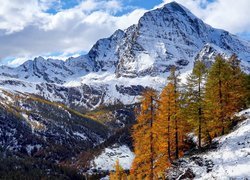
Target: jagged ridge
[[131, 59]]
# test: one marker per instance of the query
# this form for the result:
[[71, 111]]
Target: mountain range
[[46, 104], [118, 68]]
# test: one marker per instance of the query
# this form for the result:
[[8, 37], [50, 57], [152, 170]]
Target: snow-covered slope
[[107, 159], [30, 125], [120, 67], [231, 160]]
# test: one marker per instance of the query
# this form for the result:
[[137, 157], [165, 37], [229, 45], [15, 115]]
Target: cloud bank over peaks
[[27, 29], [230, 15], [30, 28]]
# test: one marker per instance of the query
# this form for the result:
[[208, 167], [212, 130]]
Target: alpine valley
[[73, 114]]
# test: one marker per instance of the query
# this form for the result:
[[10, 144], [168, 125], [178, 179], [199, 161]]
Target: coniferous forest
[[185, 117]]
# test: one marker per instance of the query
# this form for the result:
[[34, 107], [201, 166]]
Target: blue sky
[[147, 4], [63, 28]]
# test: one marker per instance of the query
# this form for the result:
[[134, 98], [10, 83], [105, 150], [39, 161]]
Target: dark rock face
[[85, 97], [207, 54], [182, 62], [188, 174], [131, 90], [100, 52]]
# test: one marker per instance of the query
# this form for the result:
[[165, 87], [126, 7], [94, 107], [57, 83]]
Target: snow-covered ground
[[109, 156], [231, 160]]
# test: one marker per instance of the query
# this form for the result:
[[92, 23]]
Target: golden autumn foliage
[[247, 84], [205, 105], [164, 126], [159, 132], [195, 100], [164, 129], [143, 138], [176, 118], [238, 88], [225, 93]]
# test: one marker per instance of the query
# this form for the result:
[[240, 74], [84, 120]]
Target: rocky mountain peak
[[173, 18], [174, 7], [118, 65]]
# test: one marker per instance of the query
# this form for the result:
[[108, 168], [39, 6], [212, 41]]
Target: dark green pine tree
[[194, 97]]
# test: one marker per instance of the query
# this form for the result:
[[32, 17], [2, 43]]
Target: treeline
[[204, 107]]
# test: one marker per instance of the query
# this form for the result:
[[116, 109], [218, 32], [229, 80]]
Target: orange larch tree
[[195, 99], [164, 129], [173, 78], [119, 173], [143, 137], [217, 95]]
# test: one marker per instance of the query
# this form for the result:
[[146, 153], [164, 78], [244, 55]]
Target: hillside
[[36, 127], [230, 160]]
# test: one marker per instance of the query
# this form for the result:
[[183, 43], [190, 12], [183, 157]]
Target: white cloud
[[28, 30], [17, 61], [15, 15], [14, 18], [20, 60], [230, 15]]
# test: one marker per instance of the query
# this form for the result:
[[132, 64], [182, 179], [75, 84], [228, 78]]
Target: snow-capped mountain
[[118, 68]]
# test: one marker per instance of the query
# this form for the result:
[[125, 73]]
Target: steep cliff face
[[120, 67], [168, 36]]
